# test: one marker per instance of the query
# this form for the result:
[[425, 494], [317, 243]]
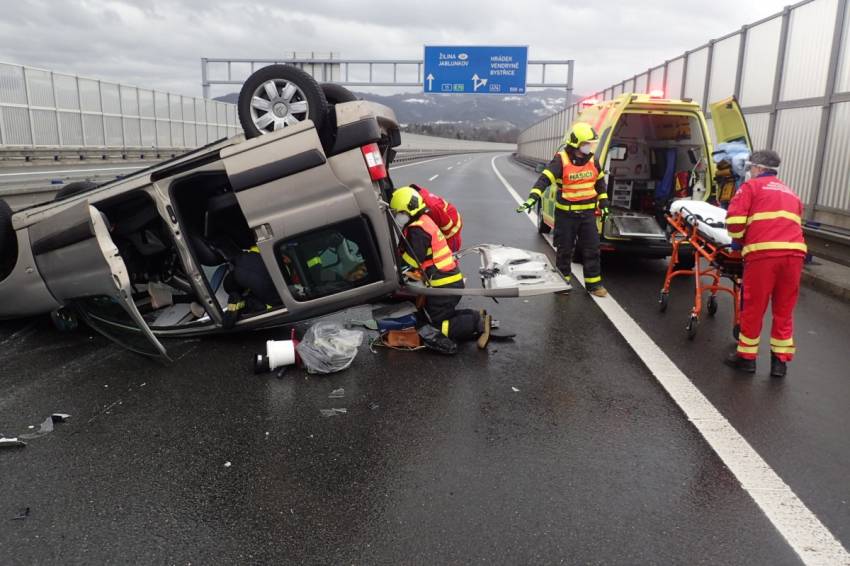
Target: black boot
[[777, 367], [741, 364]]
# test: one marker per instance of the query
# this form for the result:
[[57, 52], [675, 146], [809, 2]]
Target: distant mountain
[[494, 118]]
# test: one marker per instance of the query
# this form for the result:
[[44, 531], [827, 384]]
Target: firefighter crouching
[[428, 245], [765, 220], [580, 187]]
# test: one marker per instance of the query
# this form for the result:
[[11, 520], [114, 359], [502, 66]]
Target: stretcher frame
[[721, 262]]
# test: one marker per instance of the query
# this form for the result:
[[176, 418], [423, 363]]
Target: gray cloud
[[159, 44]]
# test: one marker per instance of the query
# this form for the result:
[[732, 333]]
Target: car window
[[331, 260]]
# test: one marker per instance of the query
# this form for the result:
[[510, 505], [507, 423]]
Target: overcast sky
[[159, 43]]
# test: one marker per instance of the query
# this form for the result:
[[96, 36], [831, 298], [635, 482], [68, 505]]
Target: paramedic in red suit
[[444, 214], [765, 220]]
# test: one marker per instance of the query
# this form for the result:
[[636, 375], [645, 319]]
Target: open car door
[[729, 122], [83, 269], [505, 272]]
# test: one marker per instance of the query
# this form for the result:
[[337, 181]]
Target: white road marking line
[[394, 167], [71, 171], [809, 538], [434, 177]]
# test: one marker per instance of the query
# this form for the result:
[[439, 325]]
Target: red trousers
[[774, 279]]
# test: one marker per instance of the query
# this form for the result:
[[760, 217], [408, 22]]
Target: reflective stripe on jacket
[[442, 212], [578, 184], [439, 263], [766, 217]]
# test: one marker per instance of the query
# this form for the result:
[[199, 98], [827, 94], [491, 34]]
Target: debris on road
[[337, 393], [333, 412], [60, 417], [515, 389], [328, 347], [22, 515], [11, 443], [227, 464], [45, 428], [373, 406]]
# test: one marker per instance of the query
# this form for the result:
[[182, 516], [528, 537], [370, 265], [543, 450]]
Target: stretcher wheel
[[712, 305], [662, 301], [693, 324]]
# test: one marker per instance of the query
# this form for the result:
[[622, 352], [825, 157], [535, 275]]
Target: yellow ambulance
[[653, 150]]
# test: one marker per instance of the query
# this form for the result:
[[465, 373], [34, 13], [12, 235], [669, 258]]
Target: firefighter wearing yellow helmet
[[426, 252], [579, 183]]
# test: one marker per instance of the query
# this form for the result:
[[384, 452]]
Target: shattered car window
[[331, 260]]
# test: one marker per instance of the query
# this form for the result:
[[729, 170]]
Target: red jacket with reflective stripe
[[442, 212], [765, 216]]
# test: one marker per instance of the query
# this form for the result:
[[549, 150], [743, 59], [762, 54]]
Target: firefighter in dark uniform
[[580, 188], [428, 245]]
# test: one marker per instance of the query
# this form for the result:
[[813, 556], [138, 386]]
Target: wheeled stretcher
[[702, 227]]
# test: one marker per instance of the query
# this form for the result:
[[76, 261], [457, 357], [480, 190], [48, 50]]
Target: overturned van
[[654, 150]]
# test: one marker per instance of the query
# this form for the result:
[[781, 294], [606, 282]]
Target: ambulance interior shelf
[[652, 159]]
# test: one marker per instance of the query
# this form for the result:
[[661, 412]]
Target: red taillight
[[372, 155]]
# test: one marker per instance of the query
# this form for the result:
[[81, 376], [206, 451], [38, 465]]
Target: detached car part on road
[[305, 188]]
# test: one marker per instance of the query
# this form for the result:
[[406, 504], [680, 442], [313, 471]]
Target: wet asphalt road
[[438, 459]]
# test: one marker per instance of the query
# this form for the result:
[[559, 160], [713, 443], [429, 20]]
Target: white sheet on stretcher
[[704, 215]]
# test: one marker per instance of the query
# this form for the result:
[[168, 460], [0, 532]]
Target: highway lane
[[437, 460], [800, 425]]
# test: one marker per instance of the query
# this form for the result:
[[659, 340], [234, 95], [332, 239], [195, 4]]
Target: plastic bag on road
[[328, 347]]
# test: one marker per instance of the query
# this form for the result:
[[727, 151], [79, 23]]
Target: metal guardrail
[[40, 108]]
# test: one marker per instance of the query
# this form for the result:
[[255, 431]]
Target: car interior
[[651, 160]]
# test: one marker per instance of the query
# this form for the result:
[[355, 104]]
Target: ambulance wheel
[[663, 298], [64, 320], [736, 331], [693, 324], [8, 241], [542, 227], [712, 305], [687, 259], [279, 96]]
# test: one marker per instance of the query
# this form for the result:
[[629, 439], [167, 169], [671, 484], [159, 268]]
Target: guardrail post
[[709, 60], [831, 76], [739, 72], [204, 80], [80, 108], [777, 79], [29, 105], [56, 109]]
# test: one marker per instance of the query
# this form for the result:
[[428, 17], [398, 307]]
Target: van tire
[[310, 92], [687, 259], [8, 241], [337, 94]]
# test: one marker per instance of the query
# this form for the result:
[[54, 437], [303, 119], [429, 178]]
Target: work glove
[[603, 207], [527, 205], [736, 246]]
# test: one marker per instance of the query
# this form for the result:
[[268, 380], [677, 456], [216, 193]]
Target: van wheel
[[8, 241], [337, 94], [542, 227], [74, 188], [278, 96]]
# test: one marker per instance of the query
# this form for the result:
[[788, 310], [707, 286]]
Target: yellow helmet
[[581, 132], [407, 199]]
